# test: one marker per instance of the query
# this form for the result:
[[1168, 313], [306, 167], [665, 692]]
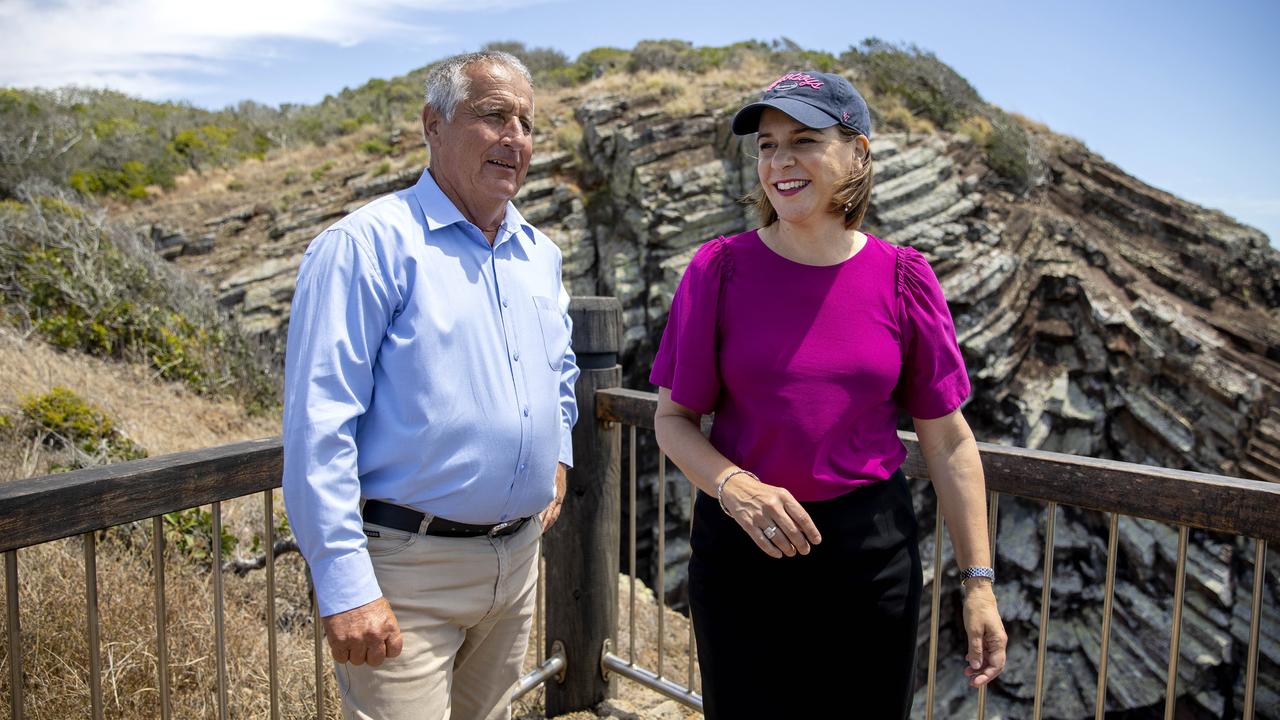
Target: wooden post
[[582, 548]]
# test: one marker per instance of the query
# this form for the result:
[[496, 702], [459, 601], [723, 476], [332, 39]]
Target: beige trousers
[[465, 607]]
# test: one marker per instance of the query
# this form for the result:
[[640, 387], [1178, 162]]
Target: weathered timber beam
[[52, 507]]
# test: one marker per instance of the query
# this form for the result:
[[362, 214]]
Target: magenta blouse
[[805, 367]]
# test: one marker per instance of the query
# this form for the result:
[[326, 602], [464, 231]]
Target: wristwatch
[[977, 571]]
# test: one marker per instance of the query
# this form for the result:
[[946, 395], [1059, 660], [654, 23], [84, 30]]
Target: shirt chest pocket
[[555, 336]]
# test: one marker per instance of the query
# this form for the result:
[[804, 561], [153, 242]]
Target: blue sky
[[1180, 94]]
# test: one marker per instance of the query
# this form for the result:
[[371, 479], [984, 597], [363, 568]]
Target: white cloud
[[139, 46]]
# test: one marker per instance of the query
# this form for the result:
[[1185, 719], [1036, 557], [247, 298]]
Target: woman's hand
[[987, 639], [773, 518]]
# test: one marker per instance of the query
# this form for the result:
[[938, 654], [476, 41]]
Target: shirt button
[[526, 412], [516, 357], [522, 467], [505, 302]]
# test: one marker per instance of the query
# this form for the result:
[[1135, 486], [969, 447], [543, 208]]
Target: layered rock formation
[[1098, 316]]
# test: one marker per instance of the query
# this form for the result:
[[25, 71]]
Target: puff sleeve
[[934, 381], [687, 361]]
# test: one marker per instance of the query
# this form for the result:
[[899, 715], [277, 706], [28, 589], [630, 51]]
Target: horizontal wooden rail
[[1213, 502], [52, 507]]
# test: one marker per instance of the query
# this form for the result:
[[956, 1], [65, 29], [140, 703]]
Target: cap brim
[[747, 120]]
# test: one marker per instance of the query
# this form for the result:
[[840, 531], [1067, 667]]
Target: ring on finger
[[770, 531]]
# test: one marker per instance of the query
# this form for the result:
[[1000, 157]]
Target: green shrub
[[376, 146], [98, 289], [1010, 154], [383, 168], [322, 170], [540, 61], [926, 85], [653, 55], [590, 65], [190, 532], [64, 420]]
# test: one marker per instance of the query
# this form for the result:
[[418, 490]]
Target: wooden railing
[[1247, 508], [582, 551]]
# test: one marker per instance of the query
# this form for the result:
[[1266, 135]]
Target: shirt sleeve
[[934, 381], [568, 376], [687, 361], [340, 311]]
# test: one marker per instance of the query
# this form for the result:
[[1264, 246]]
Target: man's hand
[[548, 517], [367, 634]]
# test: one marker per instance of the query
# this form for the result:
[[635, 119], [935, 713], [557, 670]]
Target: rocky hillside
[[1098, 316]]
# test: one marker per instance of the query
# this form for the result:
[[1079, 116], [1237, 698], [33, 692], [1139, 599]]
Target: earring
[[848, 206]]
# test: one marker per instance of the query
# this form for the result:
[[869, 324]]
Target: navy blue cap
[[814, 99]]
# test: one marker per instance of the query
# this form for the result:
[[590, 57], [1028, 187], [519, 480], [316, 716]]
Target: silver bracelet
[[720, 487]]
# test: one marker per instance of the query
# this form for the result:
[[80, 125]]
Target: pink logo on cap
[[845, 117], [800, 79]]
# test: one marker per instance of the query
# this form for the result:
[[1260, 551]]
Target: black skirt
[[831, 634]]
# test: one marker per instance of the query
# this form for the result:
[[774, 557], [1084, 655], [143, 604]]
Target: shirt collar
[[440, 212]]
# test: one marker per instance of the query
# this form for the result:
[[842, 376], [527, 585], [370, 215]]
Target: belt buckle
[[493, 531]]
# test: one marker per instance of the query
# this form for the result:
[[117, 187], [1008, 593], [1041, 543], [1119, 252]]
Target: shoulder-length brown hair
[[854, 190]]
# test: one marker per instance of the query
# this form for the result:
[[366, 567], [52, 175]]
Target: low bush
[[96, 288], [927, 86], [64, 421], [376, 146], [321, 171]]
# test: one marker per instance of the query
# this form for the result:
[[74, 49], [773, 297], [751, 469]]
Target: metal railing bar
[[15, 634], [662, 557], [631, 615], [1175, 639], [547, 669], [268, 510], [682, 695], [1251, 669], [91, 613], [162, 634], [935, 606], [993, 503], [693, 498], [539, 609], [1108, 590], [1045, 596], [317, 632], [219, 625]]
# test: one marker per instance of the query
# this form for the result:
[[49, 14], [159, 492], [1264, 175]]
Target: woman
[[805, 338]]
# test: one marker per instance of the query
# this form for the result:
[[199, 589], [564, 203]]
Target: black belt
[[410, 520]]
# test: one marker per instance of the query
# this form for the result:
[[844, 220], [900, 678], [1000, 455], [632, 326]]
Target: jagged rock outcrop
[[1098, 316]]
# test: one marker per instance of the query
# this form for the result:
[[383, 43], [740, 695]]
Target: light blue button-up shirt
[[424, 368]]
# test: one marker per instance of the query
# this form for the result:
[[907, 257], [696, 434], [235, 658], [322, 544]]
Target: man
[[428, 398]]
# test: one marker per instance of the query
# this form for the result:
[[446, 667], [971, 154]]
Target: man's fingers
[[549, 516], [340, 654], [356, 656], [395, 644], [375, 653]]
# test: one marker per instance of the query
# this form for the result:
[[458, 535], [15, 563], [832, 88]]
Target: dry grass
[[163, 417], [55, 648]]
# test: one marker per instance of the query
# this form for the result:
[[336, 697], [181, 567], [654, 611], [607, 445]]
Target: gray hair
[[448, 84]]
